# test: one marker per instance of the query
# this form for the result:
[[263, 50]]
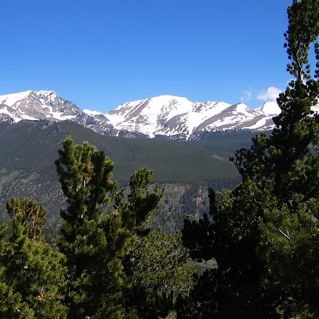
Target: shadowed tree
[[263, 234]]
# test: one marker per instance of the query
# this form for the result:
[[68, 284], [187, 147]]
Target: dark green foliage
[[290, 250], [224, 143], [264, 233], [32, 214], [140, 202], [161, 271], [99, 229], [93, 241], [32, 274]]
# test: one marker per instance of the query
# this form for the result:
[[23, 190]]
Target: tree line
[[255, 254]]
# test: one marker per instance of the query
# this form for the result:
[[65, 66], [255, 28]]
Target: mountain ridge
[[167, 116]]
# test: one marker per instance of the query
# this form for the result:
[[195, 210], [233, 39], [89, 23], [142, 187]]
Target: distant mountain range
[[33, 123], [162, 116]]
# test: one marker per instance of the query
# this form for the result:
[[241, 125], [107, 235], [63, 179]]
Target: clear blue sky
[[101, 53]]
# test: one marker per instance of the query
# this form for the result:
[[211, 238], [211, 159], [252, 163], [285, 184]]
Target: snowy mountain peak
[[270, 108], [241, 108], [167, 105], [13, 98], [168, 99], [172, 116], [36, 105]]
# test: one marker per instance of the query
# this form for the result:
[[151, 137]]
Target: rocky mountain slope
[[162, 116]]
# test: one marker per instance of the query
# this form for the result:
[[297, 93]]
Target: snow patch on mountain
[[11, 99], [270, 108], [92, 112]]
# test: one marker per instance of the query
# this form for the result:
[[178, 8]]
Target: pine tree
[[32, 273], [93, 240], [283, 172], [99, 228], [264, 232]]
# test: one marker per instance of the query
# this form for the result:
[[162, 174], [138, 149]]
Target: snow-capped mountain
[[171, 116], [178, 117], [46, 105]]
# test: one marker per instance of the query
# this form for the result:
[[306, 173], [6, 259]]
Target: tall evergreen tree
[[93, 241], [264, 232], [282, 172], [99, 228]]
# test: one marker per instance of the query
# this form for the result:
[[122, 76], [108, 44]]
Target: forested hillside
[[29, 150], [33, 145]]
